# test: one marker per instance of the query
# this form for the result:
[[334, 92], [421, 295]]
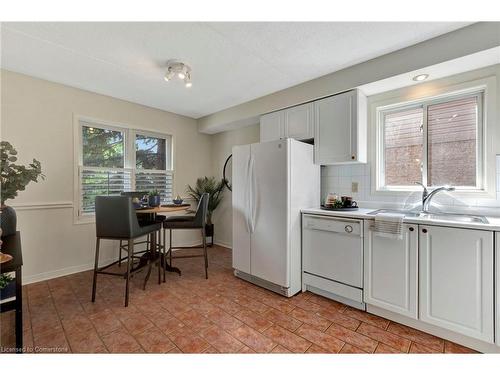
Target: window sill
[[85, 219]]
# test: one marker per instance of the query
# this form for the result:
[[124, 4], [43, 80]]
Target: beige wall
[[37, 118], [222, 144]]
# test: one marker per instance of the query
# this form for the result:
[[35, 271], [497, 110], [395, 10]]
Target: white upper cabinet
[[299, 122], [390, 270], [337, 124], [340, 129], [272, 126], [456, 280], [296, 122]]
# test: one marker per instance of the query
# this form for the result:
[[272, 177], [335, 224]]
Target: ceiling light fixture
[[421, 77], [180, 70]]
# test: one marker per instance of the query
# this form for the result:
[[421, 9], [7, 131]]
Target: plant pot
[[9, 290], [154, 200], [8, 220], [209, 230]]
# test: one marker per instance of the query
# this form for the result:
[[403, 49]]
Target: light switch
[[354, 187]]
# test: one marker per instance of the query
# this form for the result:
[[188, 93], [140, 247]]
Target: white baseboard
[[223, 244], [62, 272], [43, 276]]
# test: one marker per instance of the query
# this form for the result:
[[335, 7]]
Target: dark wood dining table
[[163, 209], [153, 212]]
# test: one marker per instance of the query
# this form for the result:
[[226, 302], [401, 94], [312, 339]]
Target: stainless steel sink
[[459, 218], [455, 217]]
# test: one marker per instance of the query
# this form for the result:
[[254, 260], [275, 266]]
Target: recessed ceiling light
[[421, 77]]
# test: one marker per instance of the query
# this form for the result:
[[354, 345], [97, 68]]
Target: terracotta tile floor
[[189, 314]]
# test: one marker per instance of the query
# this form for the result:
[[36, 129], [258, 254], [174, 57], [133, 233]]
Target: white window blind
[[100, 181], [155, 180]]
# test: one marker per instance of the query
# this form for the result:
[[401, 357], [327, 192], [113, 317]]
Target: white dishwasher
[[332, 258]]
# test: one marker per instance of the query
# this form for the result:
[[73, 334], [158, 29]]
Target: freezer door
[[241, 232], [269, 213]]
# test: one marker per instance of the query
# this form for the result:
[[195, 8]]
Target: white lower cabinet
[[497, 286], [390, 270], [456, 279]]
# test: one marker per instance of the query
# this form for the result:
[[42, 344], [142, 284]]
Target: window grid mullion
[[480, 143], [425, 145]]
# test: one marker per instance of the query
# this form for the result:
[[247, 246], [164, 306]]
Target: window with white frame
[[114, 159], [436, 141]]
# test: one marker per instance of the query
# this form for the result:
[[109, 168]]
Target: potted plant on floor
[[14, 178], [213, 187]]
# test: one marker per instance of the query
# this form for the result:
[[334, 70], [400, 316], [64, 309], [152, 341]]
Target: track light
[[180, 70]]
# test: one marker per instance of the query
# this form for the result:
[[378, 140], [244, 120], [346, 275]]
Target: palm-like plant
[[211, 186]]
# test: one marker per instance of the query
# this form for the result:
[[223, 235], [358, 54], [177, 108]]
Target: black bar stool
[[197, 221], [142, 222], [115, 219]]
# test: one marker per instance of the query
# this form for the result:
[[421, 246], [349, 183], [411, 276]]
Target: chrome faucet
[[427, 197]]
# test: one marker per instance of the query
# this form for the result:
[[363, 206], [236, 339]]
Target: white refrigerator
[[272, 182]]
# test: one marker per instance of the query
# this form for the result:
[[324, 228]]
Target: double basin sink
[[460, 218]]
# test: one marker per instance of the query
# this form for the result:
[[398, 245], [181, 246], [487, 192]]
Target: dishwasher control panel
[[338, 225]]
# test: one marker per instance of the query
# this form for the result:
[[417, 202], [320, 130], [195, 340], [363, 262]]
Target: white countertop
[[362, 213]]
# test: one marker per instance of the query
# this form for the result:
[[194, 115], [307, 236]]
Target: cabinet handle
[[411, 229], [353, 157], [348, 229], [424, 230]]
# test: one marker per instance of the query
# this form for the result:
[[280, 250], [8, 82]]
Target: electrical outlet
[[354, 187]]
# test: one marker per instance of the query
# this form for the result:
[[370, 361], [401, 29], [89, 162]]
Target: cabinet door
[[272, 126], [299, 122], [456, 280], [335, 139], [390, 270]]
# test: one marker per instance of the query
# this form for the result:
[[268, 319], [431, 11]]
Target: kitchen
[[210, 188], [414, 258]]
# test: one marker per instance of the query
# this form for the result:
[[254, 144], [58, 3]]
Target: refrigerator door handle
[[253, 187], [247, 197]]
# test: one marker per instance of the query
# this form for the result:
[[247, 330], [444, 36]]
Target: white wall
[[37, 118], [339, 179], [222, 144]]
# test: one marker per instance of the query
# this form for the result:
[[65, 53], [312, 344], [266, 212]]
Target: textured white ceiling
[[232, 62]]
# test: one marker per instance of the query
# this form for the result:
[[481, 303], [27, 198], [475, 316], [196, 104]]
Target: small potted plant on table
[[154, 198]]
